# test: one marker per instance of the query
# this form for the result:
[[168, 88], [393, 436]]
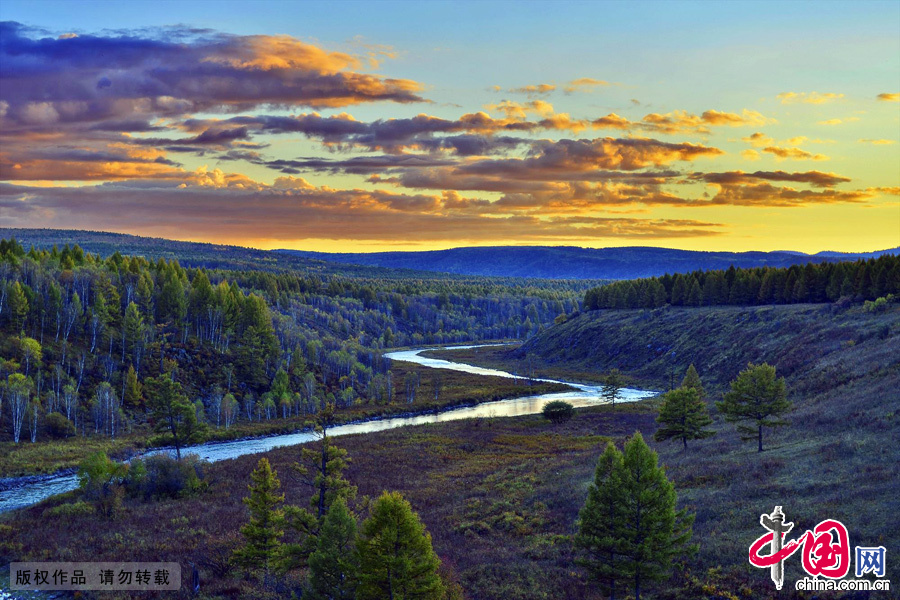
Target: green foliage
[[322, 472], [70, 510], [611, 386], [161, 476], [629, 528], [757, 397], [814, 282], [263, 533], [395, 554], [692, 380], [683, 416], [879, 304], [173, 412], [601, 527], [558, 411], [334, 565], [100, 480], [59, 426]]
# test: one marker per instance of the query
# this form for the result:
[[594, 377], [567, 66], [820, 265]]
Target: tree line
[[856, 281], [83, 335]]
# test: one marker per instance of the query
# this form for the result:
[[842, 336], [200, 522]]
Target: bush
[[558, 411], [75, 509], [100, 479], [161, 476], [59, 426], [879, 305]]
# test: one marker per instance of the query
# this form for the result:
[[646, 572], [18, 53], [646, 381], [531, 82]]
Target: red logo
[[826, 548]]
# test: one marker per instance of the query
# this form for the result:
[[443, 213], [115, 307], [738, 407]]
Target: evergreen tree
[[18, 305], [334, 567], [134, 329], [695, 296], [692, 380], [321, 470], [263, 532], [396, 557], [612, 385], [133, 395], [172, 412], [683, 416], [601, 527], [756, 396], [655, 532]]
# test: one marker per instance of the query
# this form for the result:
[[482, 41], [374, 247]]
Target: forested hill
[[570, 262], [188, 254]]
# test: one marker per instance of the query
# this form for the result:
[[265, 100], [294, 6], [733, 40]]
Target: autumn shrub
[[70, 509], [161, 476], [558, 411]]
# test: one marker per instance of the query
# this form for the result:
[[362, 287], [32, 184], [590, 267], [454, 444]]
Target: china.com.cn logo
[[826, 554]]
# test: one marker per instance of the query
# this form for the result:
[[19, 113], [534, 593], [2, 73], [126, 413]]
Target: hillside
[[570, 262], [819, 345], [838, 458]]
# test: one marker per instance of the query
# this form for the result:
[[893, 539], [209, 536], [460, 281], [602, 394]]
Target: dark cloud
[[87, 78], [297, 210], [814, 178]]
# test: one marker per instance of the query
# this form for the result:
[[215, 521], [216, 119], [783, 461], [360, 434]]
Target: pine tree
[[134, 329], [133, 395], [695, 296], [263, 532], [683, 416], [692, 380], [655, 532], [173, 412], [756, 396], [612, 385], [18, 306], [601, 526], [321, 470], [333, 567], [395, 554]]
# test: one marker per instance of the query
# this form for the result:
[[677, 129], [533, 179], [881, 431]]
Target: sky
[[370, 126]]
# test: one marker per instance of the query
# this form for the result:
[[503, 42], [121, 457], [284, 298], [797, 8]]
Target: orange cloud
[[680, 121], [887, 97], [881, 142], [793, 153], [758, 140], [584, 83]]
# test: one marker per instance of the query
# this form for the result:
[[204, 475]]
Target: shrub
[[879, 304], [59, 426], [161, 476], [100, 479], [558, 411], [74, 509]]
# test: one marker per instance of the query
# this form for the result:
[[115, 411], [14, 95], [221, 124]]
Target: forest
[[856, 281], [83, 335]]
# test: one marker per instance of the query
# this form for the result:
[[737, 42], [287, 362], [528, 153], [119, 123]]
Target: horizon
[[486, 246], [289, 129]]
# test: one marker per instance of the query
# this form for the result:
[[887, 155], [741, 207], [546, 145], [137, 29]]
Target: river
[[33, 490]]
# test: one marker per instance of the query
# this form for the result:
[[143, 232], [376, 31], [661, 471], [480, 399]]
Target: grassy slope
[[839, 458]]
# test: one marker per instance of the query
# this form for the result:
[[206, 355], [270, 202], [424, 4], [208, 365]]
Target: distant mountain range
[[545, 262], [570, 262]]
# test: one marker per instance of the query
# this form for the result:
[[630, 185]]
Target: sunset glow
[[364, 127]]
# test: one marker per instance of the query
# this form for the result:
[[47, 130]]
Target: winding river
[[32, 490]]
